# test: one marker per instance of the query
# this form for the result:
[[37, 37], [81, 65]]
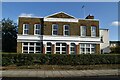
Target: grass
[[65, 67]]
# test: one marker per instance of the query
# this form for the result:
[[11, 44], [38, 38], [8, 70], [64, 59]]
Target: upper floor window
[[37, 29], [83, 30], [25, 29], [54, 29], [93, 31], [66, 30]]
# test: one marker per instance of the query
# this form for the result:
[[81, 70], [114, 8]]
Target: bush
[[41, 59]]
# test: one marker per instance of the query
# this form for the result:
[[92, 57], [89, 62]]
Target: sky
[[105, 12]]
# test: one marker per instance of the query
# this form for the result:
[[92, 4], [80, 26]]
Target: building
[[59, 33], [104, 45], [114, 43]]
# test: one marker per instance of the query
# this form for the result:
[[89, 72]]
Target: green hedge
[[31, 59]]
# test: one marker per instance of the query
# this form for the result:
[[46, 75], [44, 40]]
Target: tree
[[9, 35], [115, 49]]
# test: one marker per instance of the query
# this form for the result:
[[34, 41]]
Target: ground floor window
[[72, 48], [31, 47], [61, 48], [87, 48], [49, 48]]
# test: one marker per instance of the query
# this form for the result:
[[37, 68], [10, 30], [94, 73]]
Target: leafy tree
[[9, 35]]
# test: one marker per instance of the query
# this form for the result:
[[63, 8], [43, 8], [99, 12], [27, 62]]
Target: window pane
[[37, 48], [31, 48], [57, 52], [87, 45], [54, 32], [66, 32], [57, 48], [38, 26], [25, 31], [55, 26], [37, 32], [82, 45], [72, 44], [66, 27], [37, 44], [48, 48], [72, 49], [63, 48], [83, 30], [57, 44], [26, 26], [25, 48], [32, 44], [49, 44], [63, 44], [25, 43], [93, 31]]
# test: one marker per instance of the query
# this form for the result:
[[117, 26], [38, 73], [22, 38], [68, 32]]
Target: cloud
[[27, 15], [115, 23]]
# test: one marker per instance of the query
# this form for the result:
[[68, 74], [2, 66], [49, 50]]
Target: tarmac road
[[64, 78]]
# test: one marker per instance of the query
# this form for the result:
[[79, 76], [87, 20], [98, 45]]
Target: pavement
[[58, 73]]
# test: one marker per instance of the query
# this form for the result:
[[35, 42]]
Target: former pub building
[[59, 33]]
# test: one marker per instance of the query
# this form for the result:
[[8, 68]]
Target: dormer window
[[25, 29], [37, 29], [66, 30], [54, 29]]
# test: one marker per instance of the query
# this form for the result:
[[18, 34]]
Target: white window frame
[[71, 46], [54, 29], [64, 30], [82, 31], [37, 29], [25, 29], [93, 34], [61, 46], [34, 46], [50, 47], [85, 48]]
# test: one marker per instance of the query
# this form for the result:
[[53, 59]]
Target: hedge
[[40, 59]]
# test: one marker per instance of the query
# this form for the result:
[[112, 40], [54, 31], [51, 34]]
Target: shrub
[[83, 59]]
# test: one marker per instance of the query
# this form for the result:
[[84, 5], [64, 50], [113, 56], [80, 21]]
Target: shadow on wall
[[106, 50]]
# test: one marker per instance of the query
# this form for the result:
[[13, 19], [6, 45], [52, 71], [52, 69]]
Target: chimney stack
[[90, 17]]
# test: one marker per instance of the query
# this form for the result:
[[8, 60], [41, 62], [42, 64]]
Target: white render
[[104, 45], [60, 20], [54, 39]]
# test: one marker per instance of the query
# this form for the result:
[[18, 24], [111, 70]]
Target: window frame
[[35, 25], [54, 29], [93, 34], [61, 48], [81, 31], [34, 46], [50, 46], [64, 30], [71, 46], [85, 48], [25, 29]]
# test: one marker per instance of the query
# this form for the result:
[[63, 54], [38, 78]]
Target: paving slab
[[40, 74], [58, 73]]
